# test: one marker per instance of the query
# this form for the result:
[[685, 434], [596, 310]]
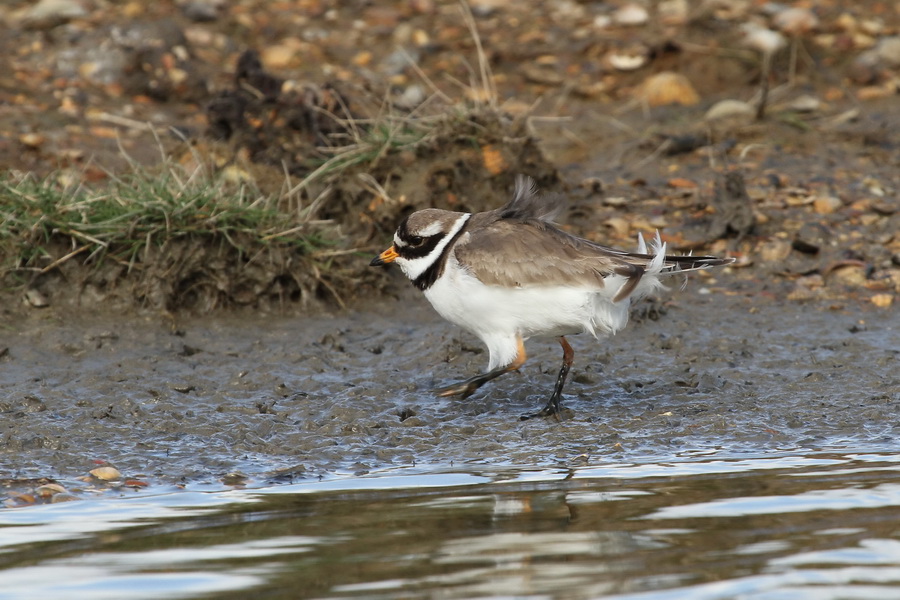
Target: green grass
[[125, 215]]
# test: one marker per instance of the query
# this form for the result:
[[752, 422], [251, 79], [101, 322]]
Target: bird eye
[[416, 240]]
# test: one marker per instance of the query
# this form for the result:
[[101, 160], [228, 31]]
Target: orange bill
[[388, 256]]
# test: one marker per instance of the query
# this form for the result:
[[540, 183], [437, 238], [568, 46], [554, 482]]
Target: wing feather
[[526, 253], [518, 246]]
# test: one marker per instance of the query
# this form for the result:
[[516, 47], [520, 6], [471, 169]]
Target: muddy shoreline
[[279, 398]]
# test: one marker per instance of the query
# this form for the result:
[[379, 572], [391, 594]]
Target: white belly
[[498, 315]]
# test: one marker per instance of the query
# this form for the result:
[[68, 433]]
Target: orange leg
[[552, 406], [466, 388]]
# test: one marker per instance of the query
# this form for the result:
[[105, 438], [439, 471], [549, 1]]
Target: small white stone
[[631, 15], [730, 109]]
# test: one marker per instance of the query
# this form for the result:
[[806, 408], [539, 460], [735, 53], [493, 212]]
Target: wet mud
[[796, 350], [282, 398]]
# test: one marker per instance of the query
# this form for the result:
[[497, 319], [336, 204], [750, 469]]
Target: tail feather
[[670, 265], [642, 245], [633, 275], [643, 268]]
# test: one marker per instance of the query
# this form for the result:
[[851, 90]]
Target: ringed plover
[[508, 274]]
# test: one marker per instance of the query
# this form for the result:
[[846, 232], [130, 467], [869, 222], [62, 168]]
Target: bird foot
[[463, 389], [466, 388], [551, 409]]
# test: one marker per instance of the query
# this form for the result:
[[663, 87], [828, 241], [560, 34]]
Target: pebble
[[673, 12], [36, 298], [420, 38], [33, 404], [279, 56], [775, 250], [363, 59], [621, 226], [852, 275], [734, 112], [796, 21], [888, 50], [602, 21], [237, 175], [106, 473], [631, 15], [825, 205], [134, 9], [803, 292], [628, 60], [864, 67], [397, 61], [544, 75], [486, 8], [798, 197], [411, 97], [47, 14], [882, 300], [812, 237], [874, 92], [201, 11], [234, 478], [32, 140], [49, 490], [805, 103], [64, 497], [862, 40], [761, 39], [872, 26], [845, 22], [667, 88], [566, 10], [422, 7]]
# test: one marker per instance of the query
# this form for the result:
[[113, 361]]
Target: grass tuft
[[127, 215]]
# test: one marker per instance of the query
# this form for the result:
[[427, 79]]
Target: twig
[[655, 154], [328, 253], [93, 240], [764, 86], [123, 121], [428, 81], [60, 261], [487, 78]]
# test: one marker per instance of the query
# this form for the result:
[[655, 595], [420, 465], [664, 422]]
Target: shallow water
[[786, 526]]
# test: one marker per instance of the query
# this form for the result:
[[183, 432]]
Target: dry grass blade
[[484, 69]]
